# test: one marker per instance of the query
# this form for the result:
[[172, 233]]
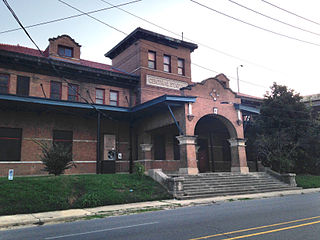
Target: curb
[[11, 221]]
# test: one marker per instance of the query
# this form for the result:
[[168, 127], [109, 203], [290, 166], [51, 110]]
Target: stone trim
[[288, 178], [187, 139], [146, 147], [237, 142]]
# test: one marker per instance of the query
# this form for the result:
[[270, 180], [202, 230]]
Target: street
[[294, 217]]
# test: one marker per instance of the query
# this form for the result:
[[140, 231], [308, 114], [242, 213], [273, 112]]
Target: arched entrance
[[214, 153]]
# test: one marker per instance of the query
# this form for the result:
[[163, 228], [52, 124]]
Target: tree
[[283, 129], [56, 158]]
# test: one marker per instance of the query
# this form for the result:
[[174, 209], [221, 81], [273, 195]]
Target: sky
[[224, 44]]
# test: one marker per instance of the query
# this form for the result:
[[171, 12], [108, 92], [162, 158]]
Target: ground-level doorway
[[213, 153]]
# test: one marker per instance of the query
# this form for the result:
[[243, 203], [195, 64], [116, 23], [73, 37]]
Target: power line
[[274, 19], [66, 18], [292, 13], [256, 26], [199, 43], [108, 25], [49, 60]]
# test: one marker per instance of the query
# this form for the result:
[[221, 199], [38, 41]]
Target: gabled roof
[[140, 33], [36, 53]]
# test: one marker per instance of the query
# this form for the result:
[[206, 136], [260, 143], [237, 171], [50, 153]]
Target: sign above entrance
[[165, 82]]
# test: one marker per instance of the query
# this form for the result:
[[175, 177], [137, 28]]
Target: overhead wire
[[69, 17], [189, 39], [256, 26], [290, 12], [108, 25], [50, 62], [272, 18]]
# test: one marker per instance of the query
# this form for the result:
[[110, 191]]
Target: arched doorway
[[214, 153]]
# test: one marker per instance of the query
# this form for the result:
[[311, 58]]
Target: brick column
[[146, 155], [188, 154], [238, 155]]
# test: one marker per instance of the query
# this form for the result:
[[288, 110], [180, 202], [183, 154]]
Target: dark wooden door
[[203, 161]]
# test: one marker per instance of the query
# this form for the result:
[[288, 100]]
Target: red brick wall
[[37, 79]]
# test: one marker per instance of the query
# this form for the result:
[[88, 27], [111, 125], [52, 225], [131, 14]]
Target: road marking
[[102, 230], [271, 231], [255, 228]]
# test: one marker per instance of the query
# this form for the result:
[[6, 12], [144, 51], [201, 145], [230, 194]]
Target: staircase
[[227, 183]]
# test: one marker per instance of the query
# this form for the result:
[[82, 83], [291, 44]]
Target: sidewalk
[[7, 222]]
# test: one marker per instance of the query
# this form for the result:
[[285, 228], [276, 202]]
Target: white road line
[[102, 230]]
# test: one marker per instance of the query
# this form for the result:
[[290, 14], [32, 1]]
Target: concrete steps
[[226, 183]]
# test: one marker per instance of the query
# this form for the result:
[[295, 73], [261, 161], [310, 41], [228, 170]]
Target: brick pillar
[[238, 155], [188, 154], [146, 155]]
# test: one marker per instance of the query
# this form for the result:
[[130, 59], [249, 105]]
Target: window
[[10, 142], [55, 90], [114, 98], [181, 66], [65, 51], [100, 96], [23, 86], [151, 59], [73, 90], [63, 138], [159, 147], [166, 63], [4, 83]]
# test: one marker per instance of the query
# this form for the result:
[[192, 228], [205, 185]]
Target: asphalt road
[[294, 217]]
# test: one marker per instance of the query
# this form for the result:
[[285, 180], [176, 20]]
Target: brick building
[[144, 108]]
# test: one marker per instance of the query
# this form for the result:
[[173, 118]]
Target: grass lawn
[[308, 181], [49, 193]]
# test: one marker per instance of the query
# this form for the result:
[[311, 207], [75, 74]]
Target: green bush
[[56, 158], [139, 169]]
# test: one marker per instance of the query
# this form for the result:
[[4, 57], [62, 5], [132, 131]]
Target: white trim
[[50, 139], [165, 82], [17, 162]]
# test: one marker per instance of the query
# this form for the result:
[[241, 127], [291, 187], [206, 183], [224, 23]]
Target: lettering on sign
[[165, 83]]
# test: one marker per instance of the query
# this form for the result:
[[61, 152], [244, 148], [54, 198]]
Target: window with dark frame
[[10, 142], [73, 92], [55, 90], [4, 83], [114, 98], [167, 63], [100, 96], [159, 144], [152, 59], [63, 138], [181, 66], [23, 84], [64, 51]]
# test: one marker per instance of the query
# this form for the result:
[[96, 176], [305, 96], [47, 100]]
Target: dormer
[[64, 47]]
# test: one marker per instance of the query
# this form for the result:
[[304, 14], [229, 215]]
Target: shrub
[[139, 169], [56, 158]]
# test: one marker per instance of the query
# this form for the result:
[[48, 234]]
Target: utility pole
[[238, 77]]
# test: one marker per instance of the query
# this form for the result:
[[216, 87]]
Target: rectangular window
[[73, 92], [23, 85], [151, 59], [63, 138], [114, 98], [159, 147], [100, 96], [10, 144], [64, 51], [4, 83], [55, 90], [166, 63], [181, 66]]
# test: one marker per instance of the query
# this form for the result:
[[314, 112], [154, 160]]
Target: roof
[[242, 95], [36, 53], [140, 33]]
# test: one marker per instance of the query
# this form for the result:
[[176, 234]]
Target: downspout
[[130, 148], [98, 167]]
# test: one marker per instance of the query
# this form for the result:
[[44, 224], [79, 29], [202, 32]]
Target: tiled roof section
[[36, 53]]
